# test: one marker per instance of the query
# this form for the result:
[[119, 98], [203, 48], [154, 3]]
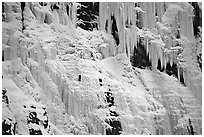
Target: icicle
[[171, 59], [165, 61], [184, 76], [145, 20], [162, 60], [150, 51], [159, 54], [147, 46], [109, 20], [154, 56], [187, 78], [178, 70], [190, 23]]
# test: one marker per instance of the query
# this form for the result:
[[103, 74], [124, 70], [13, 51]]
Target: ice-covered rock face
[[166, 39], [61, 79]]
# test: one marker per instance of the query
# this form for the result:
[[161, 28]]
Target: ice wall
[[186, 21], [50, 74], [67, 99], [125, 16], [165, 28]]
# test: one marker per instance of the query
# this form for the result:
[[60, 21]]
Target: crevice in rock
[[67, 10], [22, 19], [114, 30], [106, 26], [3, 13], [2, 55]]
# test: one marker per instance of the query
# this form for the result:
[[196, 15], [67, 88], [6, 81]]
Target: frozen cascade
[[128, 36], [128, 32], [186, 18], [42, 65], [149, 20]]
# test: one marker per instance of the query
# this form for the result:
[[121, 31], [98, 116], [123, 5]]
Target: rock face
[[58, 78]]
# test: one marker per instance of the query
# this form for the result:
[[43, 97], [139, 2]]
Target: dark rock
[[100, 80], [8, 128], [116, 127], [33, 118], [140, 59], [4, 96], [88, 13], [35, 132], [79, 79], [109, 98]]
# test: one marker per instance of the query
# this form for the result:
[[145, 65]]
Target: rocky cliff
[[136, 71]]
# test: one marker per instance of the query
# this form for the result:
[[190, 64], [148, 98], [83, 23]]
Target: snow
[[43, 74], [173, 91]]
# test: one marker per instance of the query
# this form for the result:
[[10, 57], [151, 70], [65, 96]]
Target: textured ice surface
[[61, 79]]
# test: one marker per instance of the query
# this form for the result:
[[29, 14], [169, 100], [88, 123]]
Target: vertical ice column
[[186, 18], [13, 44], [190, 23], [101, 16], [74, 14], [121, 28], [39, 14], [143, 15], [55, 16], [175, 25], [8, 11], [160, 10], [148, 17], [10, 40], [125, 16]]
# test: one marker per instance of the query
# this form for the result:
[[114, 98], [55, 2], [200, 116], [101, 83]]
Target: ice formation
[[172, 19], [61, 79]]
